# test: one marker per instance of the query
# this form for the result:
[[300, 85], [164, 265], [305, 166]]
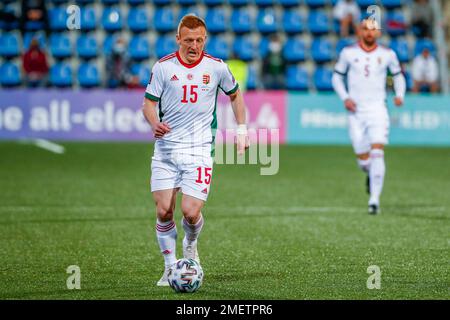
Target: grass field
[[301, 234]]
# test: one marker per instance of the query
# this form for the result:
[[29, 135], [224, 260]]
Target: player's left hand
[[398, 101], [242, 139]]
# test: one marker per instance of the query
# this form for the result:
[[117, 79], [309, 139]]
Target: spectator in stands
[[425, 72], [422, 18], [348, 14], [35, 65], [118, 68], [274, 65], [34, 11]]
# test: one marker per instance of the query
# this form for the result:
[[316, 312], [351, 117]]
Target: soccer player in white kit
[[366, 64], [180, 106]]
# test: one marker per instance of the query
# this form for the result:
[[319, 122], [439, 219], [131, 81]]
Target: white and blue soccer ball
[[186, 276]]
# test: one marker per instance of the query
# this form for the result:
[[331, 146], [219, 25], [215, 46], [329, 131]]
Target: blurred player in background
[[185, 85], [365, 65]]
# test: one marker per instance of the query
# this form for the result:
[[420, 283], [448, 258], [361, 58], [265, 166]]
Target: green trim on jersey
[[151, 97], [233, 90], [214, 126]]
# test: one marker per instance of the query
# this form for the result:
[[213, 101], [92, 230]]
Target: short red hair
[[191, 21]]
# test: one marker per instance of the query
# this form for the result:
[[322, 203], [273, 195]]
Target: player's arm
[[337, 80], [149, 109], [398, 79], [153, 91], [238, 106]]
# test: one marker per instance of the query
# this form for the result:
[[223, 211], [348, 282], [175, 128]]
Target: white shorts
[[191, 174], [367, 128]]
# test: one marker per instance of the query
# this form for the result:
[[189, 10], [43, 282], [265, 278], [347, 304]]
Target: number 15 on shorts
[[204, 175]]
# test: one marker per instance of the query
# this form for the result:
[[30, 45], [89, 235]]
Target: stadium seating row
[[295, 49], [88, 75], [165, 19]]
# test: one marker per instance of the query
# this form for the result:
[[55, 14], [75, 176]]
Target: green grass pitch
[[301, 234]]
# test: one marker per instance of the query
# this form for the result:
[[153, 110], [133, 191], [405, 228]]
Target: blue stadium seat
[[137, 19], [216, 20], [390, 4], [166, 45], [292, 21], [267, 21], [60, 45], [88, 75], [58, 19], [318, 22], [401, 48], [143, 73], [409, 80], [252, 78], [186, 2], [136, 2], [87, 46], [395, 24], [424, 43], [88, 19], [108, 43], [244, 48], [218, 47], [164, 19], [110, 2], [264, 3], [241, 20], [342, 43], [9, 74], [10, 25], [61, 75], [211, 3], [112, 19], [238, 3], [322, 79], [139, 48], [297, 78], [30, 35], [366, 3], [162, 2], [289, 3], [34, 25], [294, 50], [188, 9], [9, 45], [322, 50], [316, 3]]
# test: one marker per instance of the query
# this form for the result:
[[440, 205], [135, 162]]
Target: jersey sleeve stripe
[[233, 90], [338, 72], [151, 97]]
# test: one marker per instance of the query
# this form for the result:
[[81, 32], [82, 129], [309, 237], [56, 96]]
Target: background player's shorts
[[192, 174], [368, 127]]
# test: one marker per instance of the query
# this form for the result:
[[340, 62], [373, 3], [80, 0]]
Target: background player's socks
[[364, 165], [191, 231], [376, 173], [166, 233]]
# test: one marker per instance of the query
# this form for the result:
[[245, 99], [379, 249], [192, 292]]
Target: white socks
[[376, 173], [166, 233], [191, 231]]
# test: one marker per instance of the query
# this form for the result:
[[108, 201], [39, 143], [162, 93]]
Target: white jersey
[[366, 73], [187, 96]]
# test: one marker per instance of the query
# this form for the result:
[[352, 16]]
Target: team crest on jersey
[[206, 78], [190, 76]]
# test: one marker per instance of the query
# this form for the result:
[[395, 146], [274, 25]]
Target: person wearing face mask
[[118, 68], [274, 66], [35, 65]]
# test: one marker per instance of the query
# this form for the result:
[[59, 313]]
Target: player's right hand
[[160, 129], [350, 105]]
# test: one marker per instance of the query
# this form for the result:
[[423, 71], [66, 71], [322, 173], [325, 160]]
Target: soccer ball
[[186, 276]]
